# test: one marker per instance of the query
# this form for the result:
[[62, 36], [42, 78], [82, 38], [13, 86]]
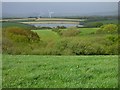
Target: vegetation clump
[[109, 28], [16, 40], [72, 31], [20, 34]]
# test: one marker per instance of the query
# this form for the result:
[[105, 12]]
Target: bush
[[18, 34], [57, 30], [70, 32], [112, 38], [112, 50], [109, 28], [6, 44], [62, 44], [61, 27], [76, 46], [16, 40], [43, 28]]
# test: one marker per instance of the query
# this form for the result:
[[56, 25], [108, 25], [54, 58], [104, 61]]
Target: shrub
[[6, 44], [112, 38], [43, 28], [70, 32], [61, 27], [82, 47], [57, 30], [18, 34], [112, 50], [62, 44], [109, 28], [16, 40]]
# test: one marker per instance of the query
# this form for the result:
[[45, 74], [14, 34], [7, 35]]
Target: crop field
[[33, 71]]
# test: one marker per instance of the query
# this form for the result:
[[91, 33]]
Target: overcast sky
[[59, 0], [59, 8]]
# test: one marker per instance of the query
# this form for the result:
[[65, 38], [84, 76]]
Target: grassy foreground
[[60, 71]]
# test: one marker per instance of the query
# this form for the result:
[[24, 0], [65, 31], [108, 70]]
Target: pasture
[[33, 71], [47, 35]]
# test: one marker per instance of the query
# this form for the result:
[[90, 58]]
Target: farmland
[[33, 71], [47, 34], [59, 58], [59, 45]]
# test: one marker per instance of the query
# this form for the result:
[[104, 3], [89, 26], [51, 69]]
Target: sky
[[26, 9], [59, 0]]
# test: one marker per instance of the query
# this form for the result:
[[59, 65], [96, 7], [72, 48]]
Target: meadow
[[47, 34], [33, 71]]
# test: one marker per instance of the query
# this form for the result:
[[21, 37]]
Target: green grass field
[[86, 31], [32, 71], [15, 24], [47, 35]]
